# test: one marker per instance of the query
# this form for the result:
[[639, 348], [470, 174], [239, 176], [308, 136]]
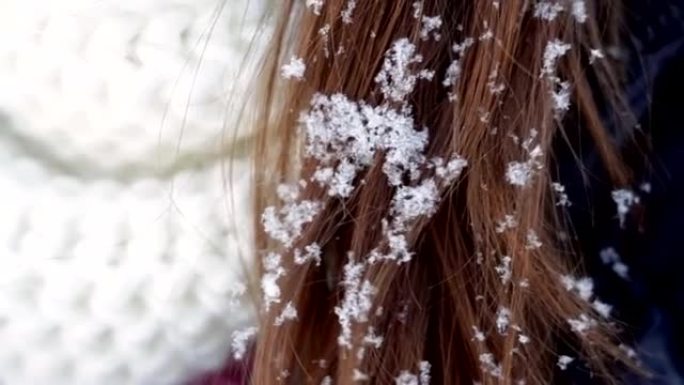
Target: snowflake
[[602, 308], [579, 11], [285, 224], [412, 202], [348, 11], [504, 269], [595, 54], [508, 222], [451, 170], [489, 365], [288, 313], [478, 335], [424, 377], [521, 173], [624, 199], [239, 341], [294, 69], [610, 256], [358, 375], [373, 339], [547, 10], [564, 361], [356, 303], [532, 240], [406, 378], [269, 280], [554, 50], [430, 25], [582, 324], [396, 79], [315, 6], [312, 252], [561, 194], [503, 320]]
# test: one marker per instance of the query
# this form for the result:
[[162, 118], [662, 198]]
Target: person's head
[[406, 183]]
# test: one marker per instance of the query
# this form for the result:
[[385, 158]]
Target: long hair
[[411, 224]]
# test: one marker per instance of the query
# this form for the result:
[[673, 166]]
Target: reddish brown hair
[[429, 308]]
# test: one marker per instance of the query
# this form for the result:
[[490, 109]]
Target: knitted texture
[[123, 227]]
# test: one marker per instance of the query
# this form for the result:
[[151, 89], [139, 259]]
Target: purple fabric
[[233, 373]]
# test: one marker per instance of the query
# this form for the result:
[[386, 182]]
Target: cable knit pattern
[[121, 228]]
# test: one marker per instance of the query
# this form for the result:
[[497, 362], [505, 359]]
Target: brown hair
[[476, 301]]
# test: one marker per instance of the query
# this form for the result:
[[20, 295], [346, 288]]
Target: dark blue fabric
[[651, 301]]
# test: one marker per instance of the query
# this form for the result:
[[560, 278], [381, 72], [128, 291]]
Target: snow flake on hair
[[579, 11], [581, 324], [312, 253], [430, 26], [489, 365], [548, 10], [315, 6], [564, 361], [453, 72], [624, 199], [504, 269], [240, 338], [478, 335], [408, 378], [520, 174], [348, 11], [411, 202], [532, 240], [358, 375], [560, 94], [294, 69], [288, 313], [356, 303], [269, 280], [396, 78], [285, 224], [508, 222], [610, 256], [450, 171], [561, 195], [595, 54], [503, 320]]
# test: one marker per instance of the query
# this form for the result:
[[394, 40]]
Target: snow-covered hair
[[410, 218]]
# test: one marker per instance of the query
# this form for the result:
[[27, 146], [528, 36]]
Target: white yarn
[[119, 262]]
